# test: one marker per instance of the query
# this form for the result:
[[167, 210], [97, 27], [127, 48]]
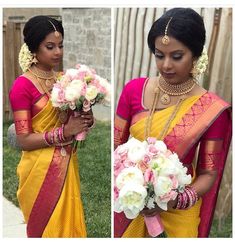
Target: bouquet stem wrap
[[154, 225]]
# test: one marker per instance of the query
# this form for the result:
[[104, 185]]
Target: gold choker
[[174, 90]]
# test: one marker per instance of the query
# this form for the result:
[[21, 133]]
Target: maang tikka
[[56, 32], [165, 38]]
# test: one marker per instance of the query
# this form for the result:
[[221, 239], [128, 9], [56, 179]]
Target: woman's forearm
[[31, 141], [204, 182]]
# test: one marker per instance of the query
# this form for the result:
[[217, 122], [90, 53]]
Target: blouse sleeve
[[212, 156], [20, 100], [122, 119]]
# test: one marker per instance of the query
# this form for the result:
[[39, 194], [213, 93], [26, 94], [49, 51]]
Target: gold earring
[[34, 61], [194, 70]]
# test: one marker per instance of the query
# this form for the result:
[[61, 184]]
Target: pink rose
[[118, 167], [86, 105], [122, 152], [116, 192], [149, 176], [152, 151], [143, 166], [169, 196], [151, 140], [175, 182], [128, 163]]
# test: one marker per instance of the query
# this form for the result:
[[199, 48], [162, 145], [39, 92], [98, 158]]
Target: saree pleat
[[47, 178]]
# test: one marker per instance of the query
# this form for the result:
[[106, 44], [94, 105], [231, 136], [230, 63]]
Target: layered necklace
[[168, 90], [45, 79], [174, 90]]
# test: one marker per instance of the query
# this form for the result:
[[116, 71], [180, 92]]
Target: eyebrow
[[49, 42]]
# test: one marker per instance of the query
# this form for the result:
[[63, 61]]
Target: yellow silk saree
[[49, 186]]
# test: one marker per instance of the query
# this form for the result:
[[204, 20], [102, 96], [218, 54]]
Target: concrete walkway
[[13, 221]]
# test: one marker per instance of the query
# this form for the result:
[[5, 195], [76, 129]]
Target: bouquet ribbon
[[154, 225], [80, 136]]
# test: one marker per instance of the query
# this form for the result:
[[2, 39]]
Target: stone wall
[[88, 41]]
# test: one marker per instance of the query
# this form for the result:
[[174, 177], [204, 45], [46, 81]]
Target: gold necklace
[[47, 76], [148, 123], [174, 90], [43, 78]]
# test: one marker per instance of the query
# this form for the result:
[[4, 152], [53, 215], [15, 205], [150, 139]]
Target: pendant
[[63, 117], [63, 151], [165, 99], [48, 83]]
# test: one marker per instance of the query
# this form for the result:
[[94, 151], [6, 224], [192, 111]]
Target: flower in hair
[[201, 64], [25, 57]]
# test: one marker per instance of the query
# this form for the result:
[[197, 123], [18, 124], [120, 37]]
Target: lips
[[56, 60], [168, 75]]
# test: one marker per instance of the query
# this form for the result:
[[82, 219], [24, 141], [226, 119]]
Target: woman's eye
[[61, 46], [159, 56], [49, 47], [177, 57]]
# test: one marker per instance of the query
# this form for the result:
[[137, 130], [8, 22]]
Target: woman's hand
[[78, 124], [151, 212], [154, 211]]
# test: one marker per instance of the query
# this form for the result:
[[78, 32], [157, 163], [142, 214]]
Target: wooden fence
[[12, 41], [132, 59]]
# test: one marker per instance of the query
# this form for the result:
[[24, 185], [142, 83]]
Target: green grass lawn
[[95, 174]]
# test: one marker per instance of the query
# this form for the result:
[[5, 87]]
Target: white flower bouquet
[[146, 173], [78, 89]]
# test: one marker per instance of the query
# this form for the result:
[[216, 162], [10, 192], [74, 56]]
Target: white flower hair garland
[[201, 64], [26, 58]]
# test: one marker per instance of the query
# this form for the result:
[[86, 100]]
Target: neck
[[43, 68]]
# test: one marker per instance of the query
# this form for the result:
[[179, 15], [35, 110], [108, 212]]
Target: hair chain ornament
[[56, 32], [165, 38]]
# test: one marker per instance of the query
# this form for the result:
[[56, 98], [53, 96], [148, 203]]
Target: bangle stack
[[55, 136], [187, 198]]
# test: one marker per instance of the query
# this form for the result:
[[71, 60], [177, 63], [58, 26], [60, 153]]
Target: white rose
[[136, 149], [71, 93], [183, 178], [131, 200], [163, 185], [54, 96], [160, 146], [72, 73], [158, 163], [130, 174], [77, 84], [91, 93]]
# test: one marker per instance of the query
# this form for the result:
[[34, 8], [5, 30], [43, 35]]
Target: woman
[[175, 109], [49, 187]]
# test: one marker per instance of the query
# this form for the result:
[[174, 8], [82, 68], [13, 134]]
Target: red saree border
[[195, 123], [49, 193]]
